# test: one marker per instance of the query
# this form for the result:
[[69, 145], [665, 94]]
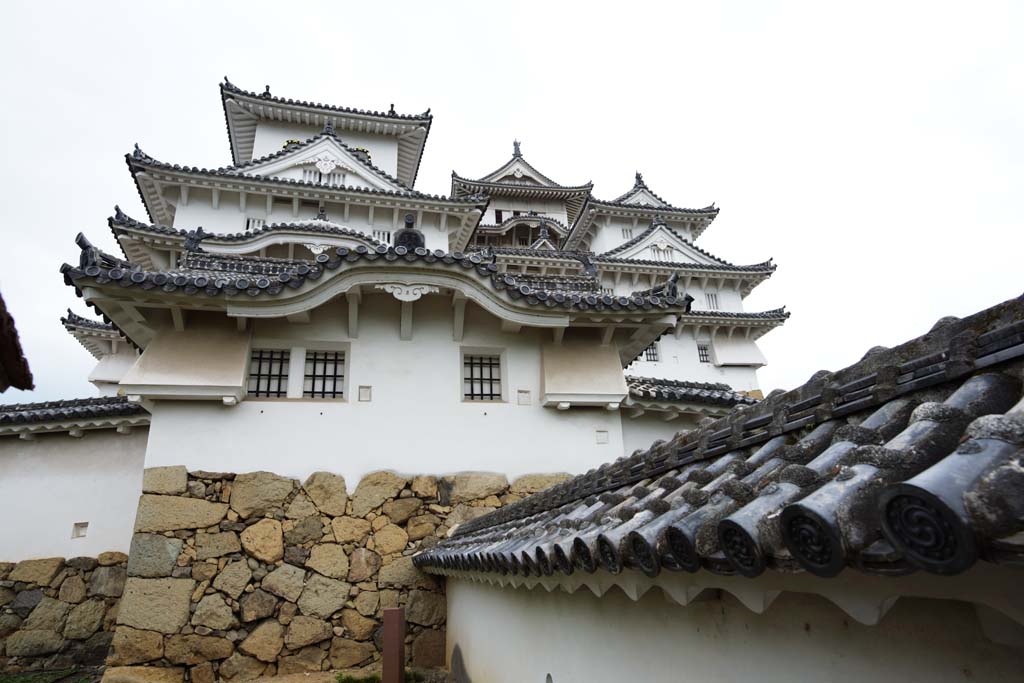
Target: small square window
[[79, 529], [365, 393], [481, 377], [704, 353], [268, 373], [712, 298], [651, 353], [324, 375]]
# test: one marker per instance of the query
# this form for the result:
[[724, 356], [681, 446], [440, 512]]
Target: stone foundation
[[233, 577], [57, 613]]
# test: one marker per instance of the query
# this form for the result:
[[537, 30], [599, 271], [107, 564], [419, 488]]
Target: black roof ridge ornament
[[408, 236], [321, 214], [391, 111], [328, 128], [517, 153], [266, 92], [193, 238], [638, 181]]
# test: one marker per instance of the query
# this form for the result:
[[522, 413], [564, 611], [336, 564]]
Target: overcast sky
[[874, 150]]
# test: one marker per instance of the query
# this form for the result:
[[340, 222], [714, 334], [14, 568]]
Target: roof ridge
[[73, 318], [639, 184], [656, 223], [228, 86]]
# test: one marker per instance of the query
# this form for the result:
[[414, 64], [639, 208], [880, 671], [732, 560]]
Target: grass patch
[[36, 676], [410, 677]]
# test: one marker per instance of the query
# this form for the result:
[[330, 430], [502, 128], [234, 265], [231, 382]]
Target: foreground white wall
[[521, 636], [50, 483]]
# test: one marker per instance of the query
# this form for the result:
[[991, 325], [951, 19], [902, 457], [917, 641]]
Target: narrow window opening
[[481, 378], [498, 216], [712, 298], [79, 529], [651, 353], [324, 375], [268, 373], [703, 353]]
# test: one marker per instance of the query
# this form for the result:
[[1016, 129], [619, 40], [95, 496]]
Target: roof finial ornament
[[90, 255], [328, 127], [266, 92], [639, 180], [408, 236], [321, 215], [228, 83], [391, 112], [119, 215], [193, 238], [138, 151], [516, 152]]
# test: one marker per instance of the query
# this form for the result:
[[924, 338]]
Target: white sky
[[873, 149]]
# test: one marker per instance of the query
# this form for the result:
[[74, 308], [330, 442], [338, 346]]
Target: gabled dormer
[[517, 189], [661, 244], [324, 160], [260, 123], [641, 195]]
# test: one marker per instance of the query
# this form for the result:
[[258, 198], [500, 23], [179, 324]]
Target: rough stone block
[[322, 596], [233, 579], [170, 513], [424, 486], [428, 649], [254, 493], [216, 545], [300, 508], [265, 642], [85, 619], [263, 540], [153, 556], [425, 608], [350, 529], [239, 668], [533, 483], [143, 674], [328, 559], [374, 489], [307, 660], [25, 601], [468, 486], [49, 615], [303, 631], [108, 581], [286, 581], [421, 526], [346, 653], [327, 491], [132, 646], [305, 530], [357, 626], [156, 604], [400, 573], [193, 649], [165, 480], [111, 558], [40, 572], [464, 513], [363, 564], [401, 509], [390, 539], [33, 643], [214, 613], [72, 591], [257, 605]]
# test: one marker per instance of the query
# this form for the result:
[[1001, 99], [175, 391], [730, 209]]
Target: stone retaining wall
[[232, 577], [56, 613]]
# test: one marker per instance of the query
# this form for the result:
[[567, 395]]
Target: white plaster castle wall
[[638, 433], [416, 421], [228, 218], [801, 637], [271, 135], [679, 361], [551, 208], [609, 232], [50, 483]]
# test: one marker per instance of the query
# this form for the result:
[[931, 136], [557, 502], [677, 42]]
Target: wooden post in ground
[[394, 645]]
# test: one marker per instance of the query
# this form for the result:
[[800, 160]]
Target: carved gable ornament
[[407, 292]]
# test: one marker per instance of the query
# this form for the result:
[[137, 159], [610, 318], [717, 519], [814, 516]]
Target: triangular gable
[[519, 172], [329, 157], [543, 244], [660, 243], [641, 196]]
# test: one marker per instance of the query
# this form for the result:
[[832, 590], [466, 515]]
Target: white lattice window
[[252, 224], [324, 374], [704, 353], [608, 291], [382, 236], [661, 253], [651, 353], [712, 298], [627, 233]]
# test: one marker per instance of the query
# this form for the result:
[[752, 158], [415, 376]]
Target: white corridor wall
[[509, 635], [54, 481]]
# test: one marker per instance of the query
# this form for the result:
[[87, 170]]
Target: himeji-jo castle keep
[[528, 415]]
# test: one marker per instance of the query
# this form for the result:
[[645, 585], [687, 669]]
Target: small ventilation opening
[[79, 529]]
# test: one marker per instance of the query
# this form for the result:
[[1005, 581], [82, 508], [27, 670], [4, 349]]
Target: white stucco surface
[[416, 420], [522, 636], [54, 481]]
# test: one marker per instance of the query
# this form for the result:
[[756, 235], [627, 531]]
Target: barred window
[[481, 378], [651, 353], [268, 373], [703, 353], [712, 298], [324, 374], [627, 233]]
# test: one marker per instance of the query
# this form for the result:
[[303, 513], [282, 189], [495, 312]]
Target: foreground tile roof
[[909, 459], [654, 389], [14, 371], [73, 320], [69, 410]]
